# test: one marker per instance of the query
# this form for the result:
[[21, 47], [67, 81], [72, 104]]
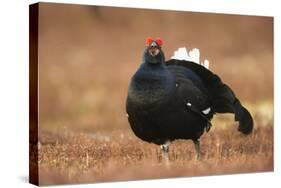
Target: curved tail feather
[[244, 117]]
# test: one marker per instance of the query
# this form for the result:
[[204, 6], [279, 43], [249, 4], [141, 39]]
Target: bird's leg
[[165, 151], [197, 147]]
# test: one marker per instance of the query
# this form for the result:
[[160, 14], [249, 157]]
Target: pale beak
[[154, 51]]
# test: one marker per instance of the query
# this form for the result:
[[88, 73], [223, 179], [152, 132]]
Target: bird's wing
[[214, 87], [222, 98], [191, 90]]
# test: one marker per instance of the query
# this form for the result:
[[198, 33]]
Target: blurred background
[[87, 55]]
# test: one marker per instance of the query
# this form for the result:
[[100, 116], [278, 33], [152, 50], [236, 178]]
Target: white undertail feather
[[193, 55], [205, 63], [181, 54]]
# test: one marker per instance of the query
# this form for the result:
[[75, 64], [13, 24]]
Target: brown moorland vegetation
[[71, 157]]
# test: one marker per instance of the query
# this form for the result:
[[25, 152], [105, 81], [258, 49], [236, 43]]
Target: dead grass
[[68, 157]]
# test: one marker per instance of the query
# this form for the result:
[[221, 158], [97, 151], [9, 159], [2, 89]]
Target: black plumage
[[177, 99]]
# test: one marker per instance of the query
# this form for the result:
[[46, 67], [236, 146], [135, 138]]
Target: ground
[[70, 157]]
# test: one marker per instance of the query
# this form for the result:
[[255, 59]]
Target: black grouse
[[176, 99]]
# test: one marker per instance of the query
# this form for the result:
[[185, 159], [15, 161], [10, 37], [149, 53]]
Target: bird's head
[[153, 52]]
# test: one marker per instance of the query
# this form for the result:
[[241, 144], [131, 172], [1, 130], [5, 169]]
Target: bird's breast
[[145, 91]]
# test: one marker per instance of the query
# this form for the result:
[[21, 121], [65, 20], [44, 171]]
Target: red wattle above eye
[[159, 42], [148, 41]]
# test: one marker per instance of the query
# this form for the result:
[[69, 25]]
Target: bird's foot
[[197, 149], [165, 153]]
